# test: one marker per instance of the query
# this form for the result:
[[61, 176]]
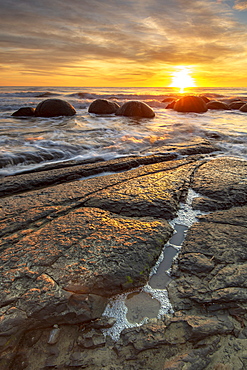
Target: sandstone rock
[[51, 274], [196, 263], [54, 108], [217, 105], [59, 258], [223, 181], [196, 359], [103, 106], [133, 198], [236, 216], [191, 104], [243, 108], [135, 109], [24, 112], [81, 251], [91, 339], [142, 338], [221, 245], [223, 242], [196, 327]]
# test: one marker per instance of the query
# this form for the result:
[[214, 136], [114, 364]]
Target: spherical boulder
[[243, 108], [135, 108], [54, 108], [168, 99], [217, 105], [191, 104], [171, 105], [236, 104], [103, 106], [205, 98], [24, 112]]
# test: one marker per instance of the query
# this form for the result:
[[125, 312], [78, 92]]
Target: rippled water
[[31, 142]]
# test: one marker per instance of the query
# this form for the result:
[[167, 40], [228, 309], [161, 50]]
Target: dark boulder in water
[[243, 108], [236, 104], [103, 106], [45, 94], [135, 108], [205, 98], [217, 105], [54, 108], [191, 104], [168, 99], [171, 105], [24, 112]]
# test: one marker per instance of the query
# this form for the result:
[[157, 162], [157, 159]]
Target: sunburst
[[181, 78]]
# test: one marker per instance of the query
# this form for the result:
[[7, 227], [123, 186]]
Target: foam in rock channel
[[118, 306]]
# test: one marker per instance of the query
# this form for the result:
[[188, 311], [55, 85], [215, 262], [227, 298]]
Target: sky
[[122, 42]]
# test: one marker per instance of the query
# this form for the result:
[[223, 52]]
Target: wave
[[120, 94], [28, 94]]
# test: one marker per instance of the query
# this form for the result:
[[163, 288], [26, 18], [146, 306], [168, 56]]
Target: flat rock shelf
[[73, 238]]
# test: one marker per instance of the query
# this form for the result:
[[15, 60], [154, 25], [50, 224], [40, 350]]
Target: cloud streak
[[121, 35], [240, 5]]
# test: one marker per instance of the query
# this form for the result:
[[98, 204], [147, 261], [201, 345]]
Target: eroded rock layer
[[70, 242]]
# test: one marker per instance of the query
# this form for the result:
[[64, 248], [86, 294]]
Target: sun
[[182, 79]]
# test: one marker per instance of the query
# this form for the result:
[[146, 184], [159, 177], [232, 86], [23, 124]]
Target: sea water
[[30, 142]]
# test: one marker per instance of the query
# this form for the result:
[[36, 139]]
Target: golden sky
[[122, 42]]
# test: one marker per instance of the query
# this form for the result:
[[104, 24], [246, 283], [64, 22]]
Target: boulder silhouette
[[54, 108], [171, 105], [103, 106], [135, 108], [205, 98], [217, 105], [24, 112], [243, 108], [191, 104], [236, 104]]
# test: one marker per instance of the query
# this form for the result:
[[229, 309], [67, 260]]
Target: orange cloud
[[120, 42]]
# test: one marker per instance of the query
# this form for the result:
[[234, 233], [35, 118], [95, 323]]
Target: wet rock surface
[[54, 108], [24, 112], [135, 108], [227, 189], [103, 106], [68, 244], [191, 104], [217, 105]]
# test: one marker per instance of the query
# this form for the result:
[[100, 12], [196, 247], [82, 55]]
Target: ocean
[[30, 143]]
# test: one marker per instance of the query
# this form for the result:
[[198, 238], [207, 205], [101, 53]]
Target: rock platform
[[74, 236]]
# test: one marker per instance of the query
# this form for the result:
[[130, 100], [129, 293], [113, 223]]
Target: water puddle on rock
[[136, 308]]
